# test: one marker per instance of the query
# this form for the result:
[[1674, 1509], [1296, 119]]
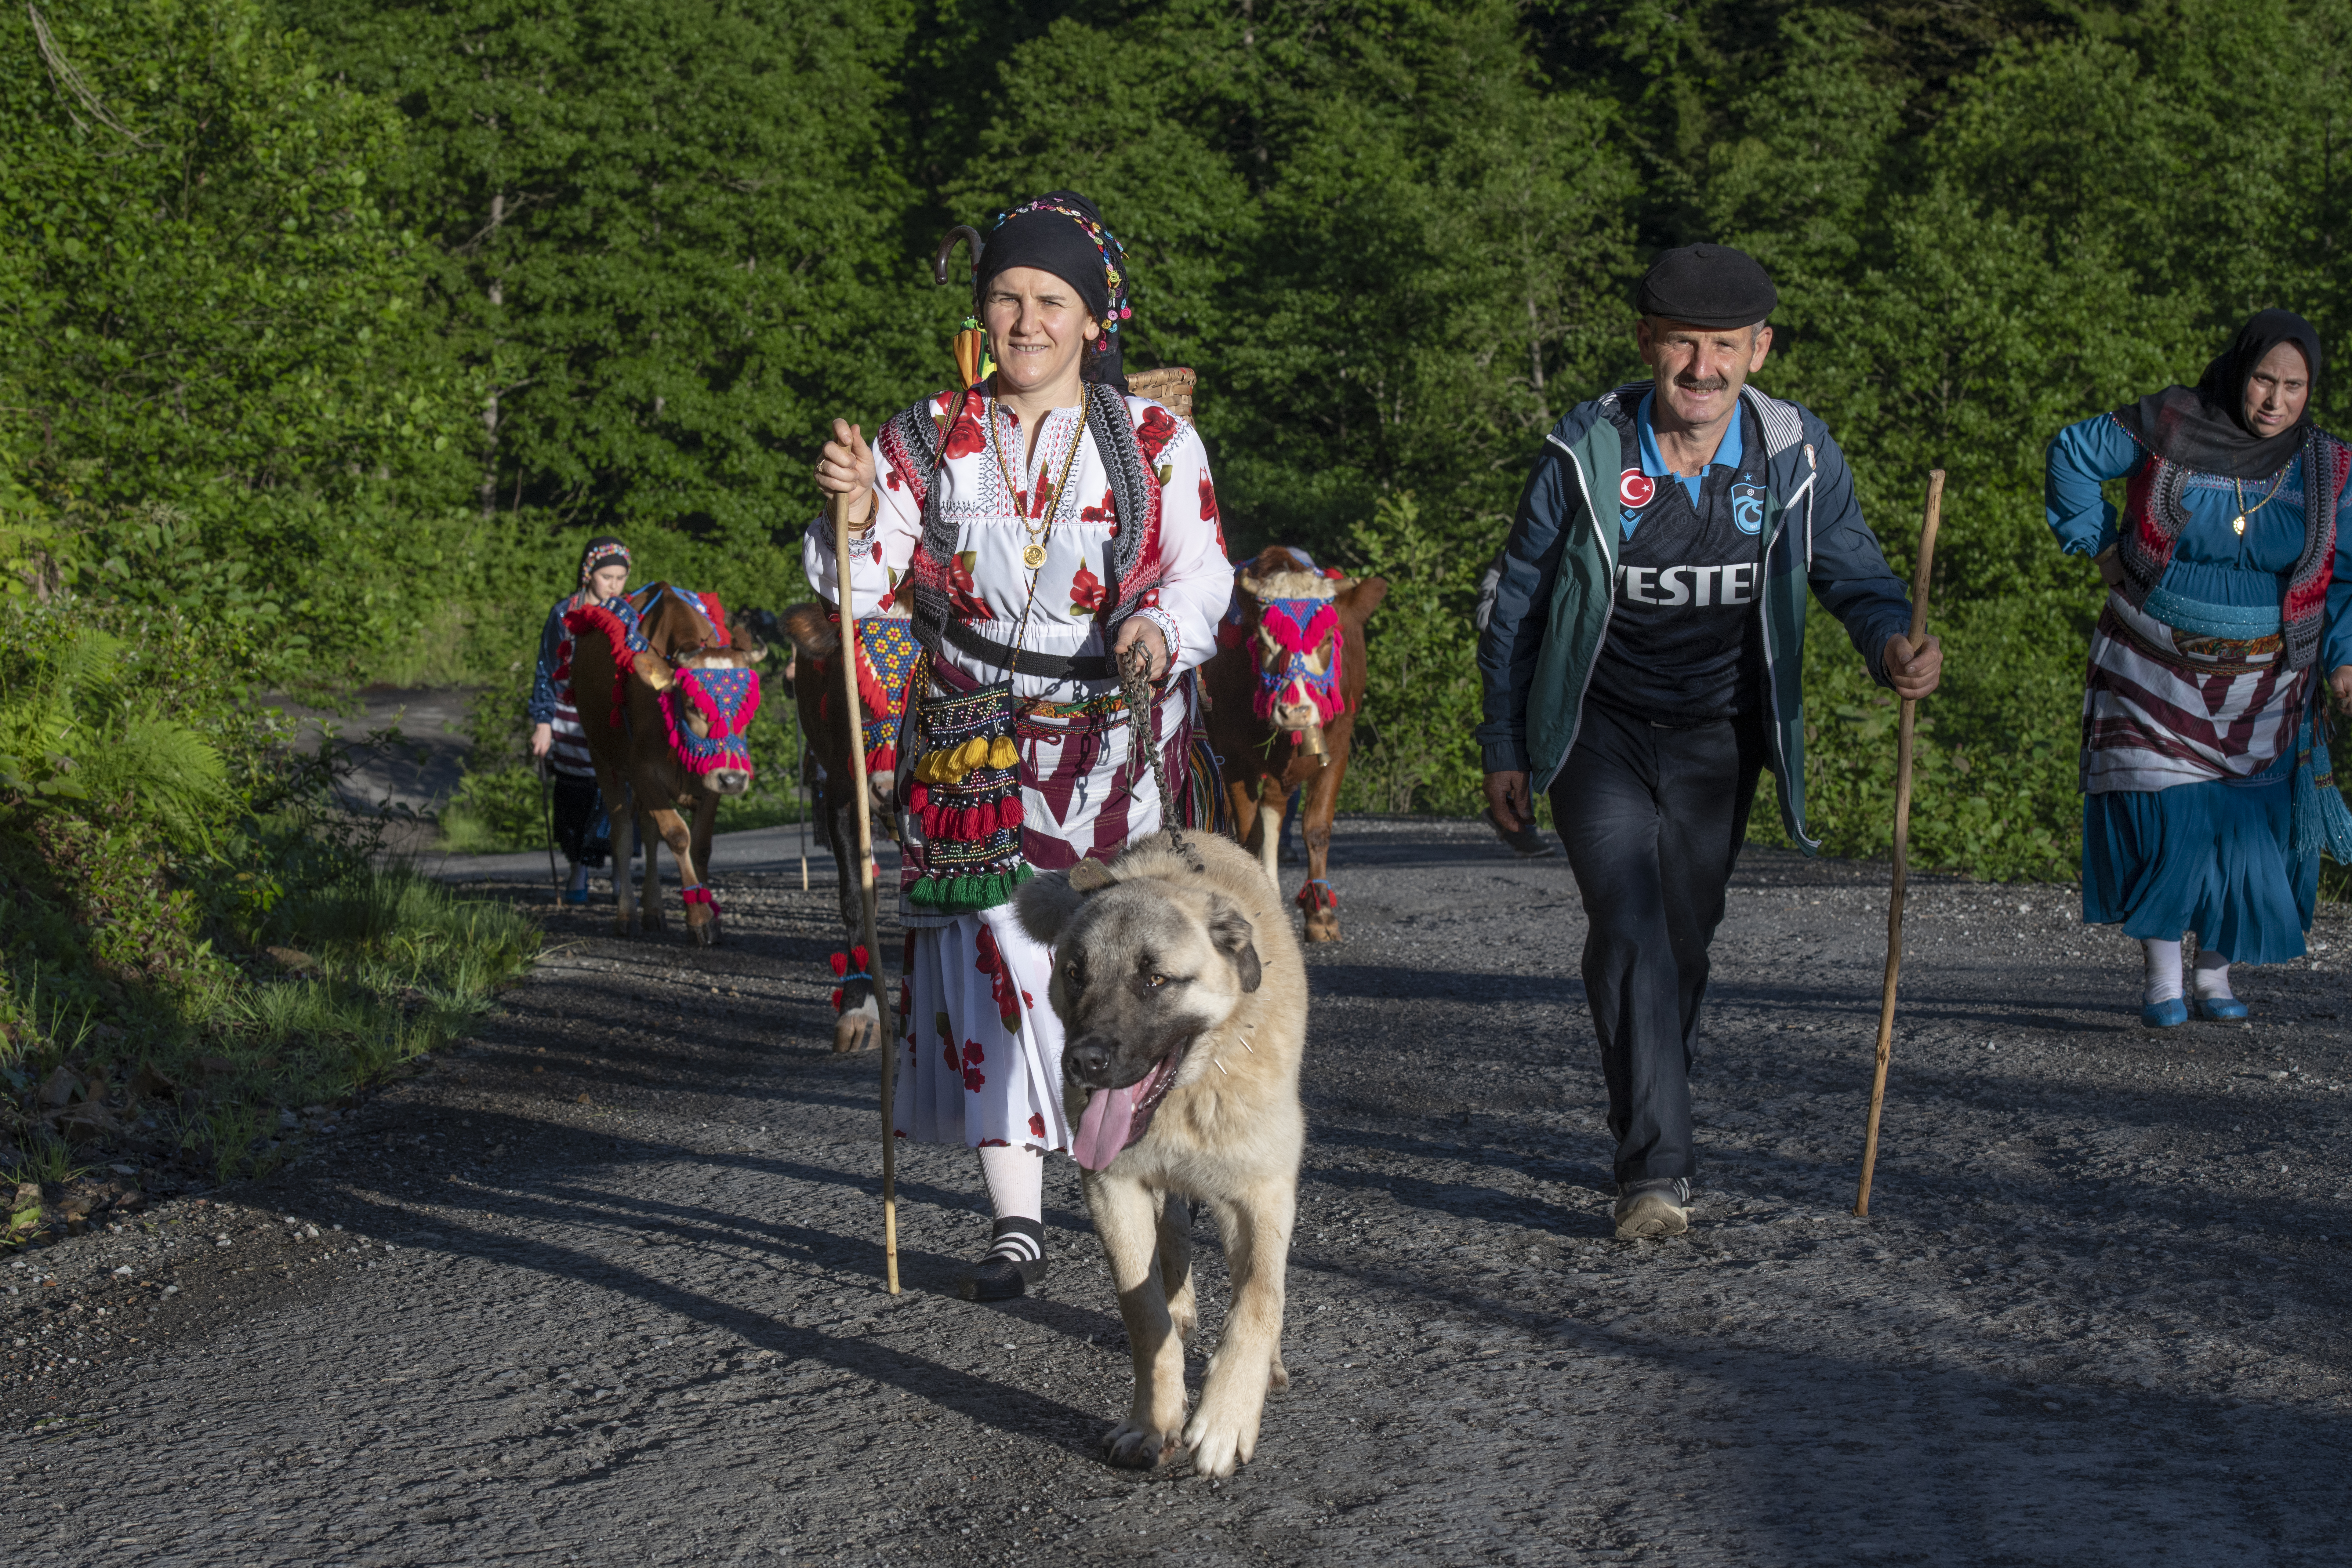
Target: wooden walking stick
[[1902, 844], [801, 790], [836, 506]]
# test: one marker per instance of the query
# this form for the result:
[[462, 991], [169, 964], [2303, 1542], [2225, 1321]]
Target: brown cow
[[1281, 716], [665, 753], [817, 694]]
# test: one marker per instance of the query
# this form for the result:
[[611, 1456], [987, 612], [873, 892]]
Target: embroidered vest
[[2154, 516]]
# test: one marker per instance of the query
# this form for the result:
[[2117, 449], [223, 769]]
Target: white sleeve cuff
[[1167, 624]]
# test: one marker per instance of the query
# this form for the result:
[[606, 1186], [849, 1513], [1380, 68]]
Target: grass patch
[[200, 952]]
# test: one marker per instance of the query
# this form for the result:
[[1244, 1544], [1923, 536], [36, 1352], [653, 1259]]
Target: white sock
[[2213, 976], [1017, 1182], [2163, 982]]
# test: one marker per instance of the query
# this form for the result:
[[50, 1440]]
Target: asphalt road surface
[[607, 1287]]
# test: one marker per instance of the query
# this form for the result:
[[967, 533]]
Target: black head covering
[[2204, 427], [1711, 286], [1061, 233], [605, 550]]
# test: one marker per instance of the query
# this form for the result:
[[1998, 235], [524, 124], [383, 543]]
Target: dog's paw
[[1134, 1446], [1220, 1443], [1279, 1377], [1185, 1317]]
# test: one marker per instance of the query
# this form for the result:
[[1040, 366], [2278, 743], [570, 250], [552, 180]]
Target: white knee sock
[[1017, 1182], [2213, 976], [1017, 1191], [2163, 982]]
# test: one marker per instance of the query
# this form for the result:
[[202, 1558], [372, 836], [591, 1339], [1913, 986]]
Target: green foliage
[[207, 332], [1413, 751], [665, 242], [157, 844]]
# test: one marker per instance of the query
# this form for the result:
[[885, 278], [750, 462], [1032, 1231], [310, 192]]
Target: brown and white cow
[[665, 704], [1283, 691]]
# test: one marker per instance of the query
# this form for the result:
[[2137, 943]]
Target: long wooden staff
[[1902, 844], [836, 506]]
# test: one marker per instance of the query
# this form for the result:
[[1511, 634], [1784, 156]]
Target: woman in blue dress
[[2206, 795]]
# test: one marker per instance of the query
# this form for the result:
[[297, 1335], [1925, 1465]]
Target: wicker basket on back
[[1172, 386]]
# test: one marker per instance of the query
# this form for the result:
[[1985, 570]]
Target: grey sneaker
[[1648, 1209]]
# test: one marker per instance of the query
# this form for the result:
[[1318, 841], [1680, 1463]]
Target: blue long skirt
[[2207, 857]]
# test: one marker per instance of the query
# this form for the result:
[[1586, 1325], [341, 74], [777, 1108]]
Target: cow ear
[[1232, 935], [1363, 597]]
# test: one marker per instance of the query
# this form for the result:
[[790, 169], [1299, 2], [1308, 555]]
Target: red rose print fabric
[[987, 1071]]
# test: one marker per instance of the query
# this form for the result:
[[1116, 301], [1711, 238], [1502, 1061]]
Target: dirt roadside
[[607, 1287]]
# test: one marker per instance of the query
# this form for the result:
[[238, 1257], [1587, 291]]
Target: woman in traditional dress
[[1043, 523], [555, 734], [2206, 798]]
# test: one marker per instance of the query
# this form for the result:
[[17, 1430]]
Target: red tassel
[[858, 954], [840, 962], [918, 795], [836, 1001], [1013, 814]]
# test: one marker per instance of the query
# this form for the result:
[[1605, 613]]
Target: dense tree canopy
[[656, 245]]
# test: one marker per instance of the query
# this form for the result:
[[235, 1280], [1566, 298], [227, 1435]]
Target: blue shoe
[[2221, 1009], [2169, 1014], [578, 896]]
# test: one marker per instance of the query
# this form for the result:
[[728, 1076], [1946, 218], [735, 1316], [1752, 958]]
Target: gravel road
[[606, 1285]]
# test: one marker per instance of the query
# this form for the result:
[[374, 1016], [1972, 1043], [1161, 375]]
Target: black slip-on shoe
[[999, 1279], [1649, 1209]]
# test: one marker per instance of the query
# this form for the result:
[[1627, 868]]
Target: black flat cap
[[1709, 286]]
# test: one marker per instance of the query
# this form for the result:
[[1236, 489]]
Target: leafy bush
[[162, 852]]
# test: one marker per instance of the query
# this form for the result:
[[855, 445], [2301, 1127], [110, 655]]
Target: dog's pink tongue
[[1104, 1125]]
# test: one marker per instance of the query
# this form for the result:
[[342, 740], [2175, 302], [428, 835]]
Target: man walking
[[1643, 663]]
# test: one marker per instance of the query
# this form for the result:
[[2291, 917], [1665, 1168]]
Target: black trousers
[[1653, 820], [580, 830]]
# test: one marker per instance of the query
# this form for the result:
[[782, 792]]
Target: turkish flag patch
[[1636, 487]]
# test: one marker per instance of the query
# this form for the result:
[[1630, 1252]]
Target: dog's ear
[[1231, 933], [1091, 877], [1046, 904]]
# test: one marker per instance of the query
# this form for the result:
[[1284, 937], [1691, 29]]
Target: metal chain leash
[[1134, 681]]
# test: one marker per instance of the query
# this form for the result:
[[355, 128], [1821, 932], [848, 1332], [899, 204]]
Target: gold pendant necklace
[[2244, 512], [1033, 554]]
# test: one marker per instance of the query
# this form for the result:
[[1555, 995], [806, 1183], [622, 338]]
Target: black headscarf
[[1061, 233], [2204, 427], [605, 550]]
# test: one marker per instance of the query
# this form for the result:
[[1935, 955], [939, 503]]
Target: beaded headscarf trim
[[1114, 261], [596, 560]]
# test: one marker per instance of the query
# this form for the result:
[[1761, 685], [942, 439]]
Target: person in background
[[2203, 809], [582, 829], [1642, 662]]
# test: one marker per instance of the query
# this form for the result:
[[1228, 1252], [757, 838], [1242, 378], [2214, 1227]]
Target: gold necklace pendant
[[1033, 555], [2239, 522]]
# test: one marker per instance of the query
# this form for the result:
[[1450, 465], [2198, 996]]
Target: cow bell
[[1310, 741]]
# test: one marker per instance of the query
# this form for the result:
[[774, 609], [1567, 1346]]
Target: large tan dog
[[1184, 996]]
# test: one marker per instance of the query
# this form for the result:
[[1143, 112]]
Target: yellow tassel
[[1003, 753], [950, 765]]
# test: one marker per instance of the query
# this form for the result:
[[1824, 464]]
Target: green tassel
[[968, 895]]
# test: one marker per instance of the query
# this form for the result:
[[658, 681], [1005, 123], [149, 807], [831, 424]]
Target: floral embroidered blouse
[[1005, 497]]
